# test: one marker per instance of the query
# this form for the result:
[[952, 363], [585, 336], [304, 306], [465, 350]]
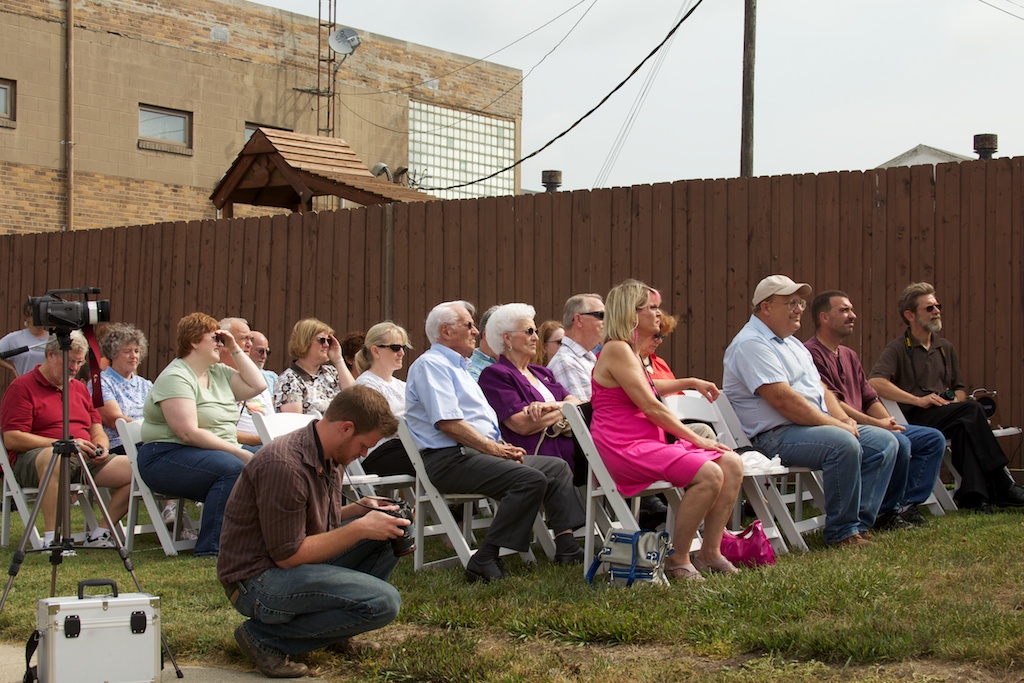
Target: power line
[[582, 118], [475, 61], [634, 113], [1015, 16]]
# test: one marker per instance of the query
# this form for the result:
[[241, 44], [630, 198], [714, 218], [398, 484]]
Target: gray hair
[[577, 303], [444, 314], [910, 295], [118, 335], [506, 319], [78, 343], [226, 323]]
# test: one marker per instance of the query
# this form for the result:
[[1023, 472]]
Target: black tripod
[[63, 451]]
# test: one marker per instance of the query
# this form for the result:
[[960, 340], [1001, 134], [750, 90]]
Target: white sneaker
[[104, 540], [170, 511]]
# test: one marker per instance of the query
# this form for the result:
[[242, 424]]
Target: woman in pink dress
[[629, 427]]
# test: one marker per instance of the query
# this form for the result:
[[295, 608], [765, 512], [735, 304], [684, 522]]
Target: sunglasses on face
[[658, 337], [394, 347], [262, 352], [932, 308], [597, 314], [530, 331], [556, 342], [323, 340]]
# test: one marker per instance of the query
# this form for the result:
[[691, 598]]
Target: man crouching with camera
[[308, 571]]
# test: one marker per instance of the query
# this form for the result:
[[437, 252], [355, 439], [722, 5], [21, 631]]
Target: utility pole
[[747, 116]]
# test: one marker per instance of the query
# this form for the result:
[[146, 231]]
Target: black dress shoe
[[570, 556], [1012, 497], [485, 570]]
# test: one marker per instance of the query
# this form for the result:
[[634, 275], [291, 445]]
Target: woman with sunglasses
[[383, 354], [551, 333], [526, 397], [318, 372], [190, 446]]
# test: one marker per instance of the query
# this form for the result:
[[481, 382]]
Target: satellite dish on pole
[[344, 41]]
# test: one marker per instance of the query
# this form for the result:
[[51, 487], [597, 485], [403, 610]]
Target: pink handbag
[[749, 547]]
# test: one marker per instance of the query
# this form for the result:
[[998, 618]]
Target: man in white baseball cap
[[785, 409]]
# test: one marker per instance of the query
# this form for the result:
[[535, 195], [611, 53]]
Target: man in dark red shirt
[[31, 417], [308, 571]]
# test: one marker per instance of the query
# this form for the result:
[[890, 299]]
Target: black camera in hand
[[404, 544], [949, 395]]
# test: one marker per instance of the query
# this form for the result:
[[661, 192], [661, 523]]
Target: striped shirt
[[286, 493]]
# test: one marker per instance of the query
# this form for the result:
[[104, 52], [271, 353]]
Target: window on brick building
[[8, 93], [165, 126], [250, 128]]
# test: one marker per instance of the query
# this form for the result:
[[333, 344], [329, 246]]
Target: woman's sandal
[[720, 566], [683, 571]]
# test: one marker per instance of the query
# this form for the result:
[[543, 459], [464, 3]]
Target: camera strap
[[94, 365]]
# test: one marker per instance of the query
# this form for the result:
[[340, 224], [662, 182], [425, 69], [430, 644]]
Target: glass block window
[[448, 147]]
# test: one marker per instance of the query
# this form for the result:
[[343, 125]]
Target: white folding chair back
[[763, 490], [170, 539], [25, 498], [940, 501], [273, 425], [363, 484], [606, 507], [431, 503]]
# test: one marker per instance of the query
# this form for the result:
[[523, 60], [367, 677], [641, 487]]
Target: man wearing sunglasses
[[573, 364], [260, 354], [919, 370]]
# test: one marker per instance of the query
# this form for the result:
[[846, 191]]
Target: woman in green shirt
[[190, 446]]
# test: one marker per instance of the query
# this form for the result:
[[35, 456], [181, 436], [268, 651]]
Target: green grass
[[941, 603]]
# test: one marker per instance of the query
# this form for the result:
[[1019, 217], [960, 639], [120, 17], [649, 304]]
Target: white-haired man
[[262, 403], [260, 353], [458, 434]]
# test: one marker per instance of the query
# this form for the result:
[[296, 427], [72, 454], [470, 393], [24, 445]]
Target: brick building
[[165, 93]]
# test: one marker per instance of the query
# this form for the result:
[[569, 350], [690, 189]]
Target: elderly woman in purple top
[[527, 397]]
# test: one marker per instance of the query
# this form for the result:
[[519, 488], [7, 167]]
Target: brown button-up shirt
[[907, 364], [284, 494]]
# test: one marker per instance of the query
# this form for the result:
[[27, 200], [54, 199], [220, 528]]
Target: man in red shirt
[[31, 418]]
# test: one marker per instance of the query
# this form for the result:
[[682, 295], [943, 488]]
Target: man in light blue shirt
[[785, 409], [483, 355], [457, 431]]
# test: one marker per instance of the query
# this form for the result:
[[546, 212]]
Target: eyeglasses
[[794, 304], [658, 337], [933, 307], [395, 347], [323, 340], [556, 342], [530, 331], [597, 314], [262, 352]]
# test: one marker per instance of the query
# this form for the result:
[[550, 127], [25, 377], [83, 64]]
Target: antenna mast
[[327, 17]]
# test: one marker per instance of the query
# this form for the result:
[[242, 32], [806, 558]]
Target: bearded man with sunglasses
[[919, 370]]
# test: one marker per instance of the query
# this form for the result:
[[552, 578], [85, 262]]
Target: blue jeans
[[195, 473], [856, 471], [297, 610], [924, 448]]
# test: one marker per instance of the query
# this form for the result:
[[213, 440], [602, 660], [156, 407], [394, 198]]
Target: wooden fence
[[703, 243]]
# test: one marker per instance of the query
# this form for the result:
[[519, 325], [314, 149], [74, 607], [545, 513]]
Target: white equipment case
[[99, 638]]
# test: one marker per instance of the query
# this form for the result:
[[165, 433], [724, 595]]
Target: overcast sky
[[839, 84]]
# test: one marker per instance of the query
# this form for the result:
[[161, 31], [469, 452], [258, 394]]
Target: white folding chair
[[606, 507], [940, 501], [432, 503], [764, 491], [24, 498], [170, 539], [271, 426]]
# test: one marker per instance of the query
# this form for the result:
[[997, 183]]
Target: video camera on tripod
[[51, 310]]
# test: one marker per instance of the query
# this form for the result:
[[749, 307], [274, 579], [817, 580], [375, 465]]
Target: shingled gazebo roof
[[285, 169]]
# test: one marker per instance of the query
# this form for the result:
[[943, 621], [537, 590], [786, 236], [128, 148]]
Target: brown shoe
[[353, 647], [853, 541], [271, 666]]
